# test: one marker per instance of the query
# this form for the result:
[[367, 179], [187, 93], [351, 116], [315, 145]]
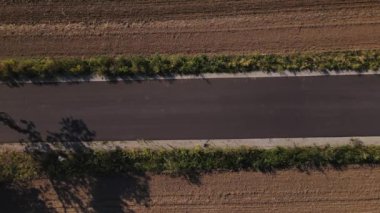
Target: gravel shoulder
[[264, 143]]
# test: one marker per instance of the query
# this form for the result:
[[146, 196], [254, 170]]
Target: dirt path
[[77, 27], [351, 190]]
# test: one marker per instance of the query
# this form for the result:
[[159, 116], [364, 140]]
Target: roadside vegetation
[[16, 166], [166, 65]]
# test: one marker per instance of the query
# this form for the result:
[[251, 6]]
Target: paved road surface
[[193, 109]]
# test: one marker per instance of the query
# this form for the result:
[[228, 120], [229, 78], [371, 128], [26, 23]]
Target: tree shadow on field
[[192, 176], [103, 194], [86, 194], [91, 193], [19, 198], [128, 188]]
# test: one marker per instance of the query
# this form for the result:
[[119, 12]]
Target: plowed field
[[351, 190], [84, 27]]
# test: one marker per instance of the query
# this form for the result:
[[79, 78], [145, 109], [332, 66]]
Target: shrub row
[[21, 166], [162, 65]]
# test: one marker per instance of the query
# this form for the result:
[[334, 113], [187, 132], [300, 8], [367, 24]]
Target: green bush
[[163, 65], [19, 166]]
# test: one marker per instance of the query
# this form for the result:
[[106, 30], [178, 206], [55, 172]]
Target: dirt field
[[352, 190], [83, 28]]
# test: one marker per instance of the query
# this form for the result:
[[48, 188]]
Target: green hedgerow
[[163, 65], [21, 166]]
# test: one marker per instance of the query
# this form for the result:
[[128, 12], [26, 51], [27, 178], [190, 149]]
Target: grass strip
[[22, 166], [166, 65]]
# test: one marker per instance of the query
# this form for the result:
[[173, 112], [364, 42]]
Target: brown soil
[[83, 28], [351, 190]]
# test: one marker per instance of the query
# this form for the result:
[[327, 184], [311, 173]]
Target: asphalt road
[[193, 109]]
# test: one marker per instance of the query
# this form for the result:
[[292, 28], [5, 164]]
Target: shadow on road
[[70, 136], [27, 128]]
